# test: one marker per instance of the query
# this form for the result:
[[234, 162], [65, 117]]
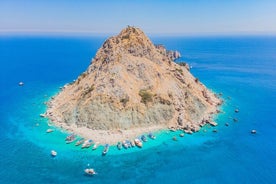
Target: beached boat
[[105, 150], [70, 141], [87, 143], [53, 153], [69, 137], [138, 143], [128, 143], [151, 136], [90, 171], [132, 143], [125, 145], [79, 142], [119, 145], [95, 146], [144, 138]]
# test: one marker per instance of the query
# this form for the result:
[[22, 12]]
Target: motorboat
[[70, 138], [144, 138], [119, 145], [90, 171], [79, 142], [95, 146], [53, 153], [21, 83], [138, 143], [49, 130], [151, 136], [106, 148], [132, 143], [125, 145], [87, 143]]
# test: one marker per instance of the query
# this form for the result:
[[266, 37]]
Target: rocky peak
[[131, 41]]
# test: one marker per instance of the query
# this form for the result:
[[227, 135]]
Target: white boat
[[95, 146], [79, 142], [106, 148], [53, 153], [152, 136], [132, 143], [125, 145], [70, 138], [49, 130], [42, 115], [138, 143], [90, 171], [87, 143], [21, 83]]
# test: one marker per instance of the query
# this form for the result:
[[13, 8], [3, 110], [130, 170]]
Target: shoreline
[[114, 136]]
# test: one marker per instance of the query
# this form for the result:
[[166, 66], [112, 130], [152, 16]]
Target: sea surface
[[242, 69]]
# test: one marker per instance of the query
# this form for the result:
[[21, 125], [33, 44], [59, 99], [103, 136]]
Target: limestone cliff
[[131, 83]]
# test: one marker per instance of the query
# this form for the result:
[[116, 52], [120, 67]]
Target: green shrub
[[124, 100], [146, 96], [179, 70], [182, 63]]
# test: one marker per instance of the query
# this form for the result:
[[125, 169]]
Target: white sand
[[109, 136]]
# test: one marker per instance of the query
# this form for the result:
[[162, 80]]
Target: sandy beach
[[109, 136]]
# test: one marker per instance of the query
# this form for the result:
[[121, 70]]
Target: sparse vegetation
[[182, 63], [124, 100], [179, 70], [125, 37], [146, 96], [88, 90]]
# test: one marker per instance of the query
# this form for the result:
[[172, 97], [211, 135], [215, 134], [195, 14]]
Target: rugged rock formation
[[173, 55], [131, 84]]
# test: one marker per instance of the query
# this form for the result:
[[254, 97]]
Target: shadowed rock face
[[132, 83]]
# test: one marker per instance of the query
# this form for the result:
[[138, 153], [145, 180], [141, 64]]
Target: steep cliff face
[[132, 83]]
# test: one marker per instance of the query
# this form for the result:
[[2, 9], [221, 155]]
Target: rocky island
[[131, 87]]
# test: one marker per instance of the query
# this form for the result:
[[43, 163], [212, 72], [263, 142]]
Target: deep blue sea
[[243, 69]]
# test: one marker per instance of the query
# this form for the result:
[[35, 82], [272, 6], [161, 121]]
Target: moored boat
[[138, 143], [128, 143], [144, 138], [42, 115], [53, 153], [125, 145], [132, 143], [119, 145], [70, 141], [151, 136], [49, 130], [90, 171], [105, 150], [70, 138], [79, 142], [87, 143], [95, 146]]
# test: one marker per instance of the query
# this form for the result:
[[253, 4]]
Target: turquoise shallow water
[[242, 68]]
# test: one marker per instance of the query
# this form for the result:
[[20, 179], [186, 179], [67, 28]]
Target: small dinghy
[[90, 171], [53, 153]]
